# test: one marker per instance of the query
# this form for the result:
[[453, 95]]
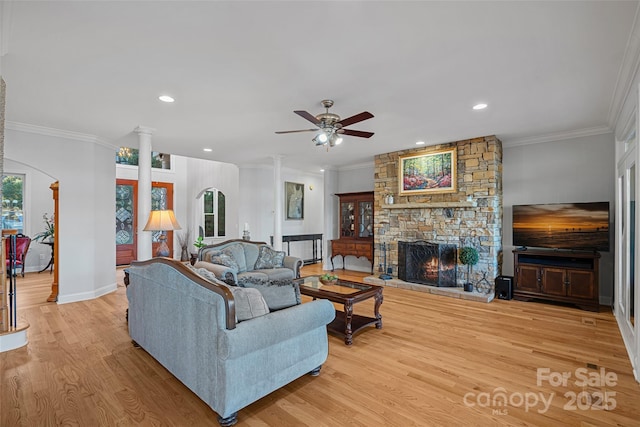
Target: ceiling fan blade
[[308, 116], [359, 133], [295, 131], [355, 119]]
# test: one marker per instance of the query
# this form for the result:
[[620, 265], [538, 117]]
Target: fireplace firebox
[[427, 263]]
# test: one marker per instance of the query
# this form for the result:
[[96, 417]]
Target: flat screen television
[[574, 226]]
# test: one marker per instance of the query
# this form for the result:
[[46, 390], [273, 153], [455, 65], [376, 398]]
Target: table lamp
[[163, 220]]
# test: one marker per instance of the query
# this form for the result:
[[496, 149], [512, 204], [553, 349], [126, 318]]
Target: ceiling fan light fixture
[[335, 139], [322, 137], [317, 139]]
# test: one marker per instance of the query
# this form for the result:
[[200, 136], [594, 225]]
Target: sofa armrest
[[222, 272], [294, 264], [265, 331]]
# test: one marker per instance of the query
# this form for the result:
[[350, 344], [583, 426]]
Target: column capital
[[143, 130]]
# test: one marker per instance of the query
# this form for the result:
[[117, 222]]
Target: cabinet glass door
[[348, 220], [365, 219]]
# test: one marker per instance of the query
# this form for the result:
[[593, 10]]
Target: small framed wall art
[[294, 200]]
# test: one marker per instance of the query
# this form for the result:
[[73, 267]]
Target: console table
[[313, 238], [50, 264], [561, 276]]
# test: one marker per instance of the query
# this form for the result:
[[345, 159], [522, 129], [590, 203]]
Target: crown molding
[[58, 133], [626, 75], [559, 136], [283, 169], [364, 165]]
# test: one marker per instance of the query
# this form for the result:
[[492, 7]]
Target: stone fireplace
[[470, 216], [427, 263]]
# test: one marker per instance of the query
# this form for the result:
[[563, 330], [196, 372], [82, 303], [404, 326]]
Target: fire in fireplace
[[427, 263]]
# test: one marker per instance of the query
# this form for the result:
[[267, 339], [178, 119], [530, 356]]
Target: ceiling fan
[[329, 126]]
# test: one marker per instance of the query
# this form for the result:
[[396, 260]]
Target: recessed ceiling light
[[420, 143], [480, 106], [321, 170], [166, 98], [207, 149]]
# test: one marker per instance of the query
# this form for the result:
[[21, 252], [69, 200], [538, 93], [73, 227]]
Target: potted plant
[[199, 244], [469, 257], [49, 229]]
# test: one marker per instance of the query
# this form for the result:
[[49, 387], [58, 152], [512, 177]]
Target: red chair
[[22, 246]]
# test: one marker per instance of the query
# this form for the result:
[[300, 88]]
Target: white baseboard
[[83, 296]]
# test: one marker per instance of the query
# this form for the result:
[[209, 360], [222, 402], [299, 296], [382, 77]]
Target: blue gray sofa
[[237, 259], [188, 323]]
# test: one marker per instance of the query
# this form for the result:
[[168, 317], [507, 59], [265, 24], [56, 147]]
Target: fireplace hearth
[[427, 263]]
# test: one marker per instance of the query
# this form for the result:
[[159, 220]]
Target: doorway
[[127, 214]]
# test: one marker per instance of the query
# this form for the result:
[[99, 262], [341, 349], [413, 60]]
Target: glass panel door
[[158, 203], [126, 217], [162, 199], [126, 199]]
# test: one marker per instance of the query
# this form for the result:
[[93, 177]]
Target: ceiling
[[237, 70]]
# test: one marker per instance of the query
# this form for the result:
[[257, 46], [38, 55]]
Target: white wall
[[572, 170], [354, 179], [86, 235], [257, 206], [201, 175]]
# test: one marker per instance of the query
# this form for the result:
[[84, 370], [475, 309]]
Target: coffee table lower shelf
[[339, 325]]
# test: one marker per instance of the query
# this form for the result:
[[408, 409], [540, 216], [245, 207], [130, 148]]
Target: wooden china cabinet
[[356, 227]]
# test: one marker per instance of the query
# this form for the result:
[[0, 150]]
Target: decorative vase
[[184, 256], [468, 287]]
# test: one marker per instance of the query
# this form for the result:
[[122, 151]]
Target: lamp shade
[[161, 221]]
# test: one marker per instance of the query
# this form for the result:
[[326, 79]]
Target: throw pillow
[[236, 251], [249, 303], [278, 294], [226, 260], [205, 274], [269, 258]]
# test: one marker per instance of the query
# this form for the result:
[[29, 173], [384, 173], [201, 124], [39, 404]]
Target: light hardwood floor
[[437, 361]]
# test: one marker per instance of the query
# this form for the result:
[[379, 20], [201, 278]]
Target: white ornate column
[[144, 246], [278, 203]]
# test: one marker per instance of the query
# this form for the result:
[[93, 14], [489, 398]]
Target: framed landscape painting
[[433, 172], [294, 200]]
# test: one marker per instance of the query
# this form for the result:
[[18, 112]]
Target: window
[[129, 156], [213, 213], [12, 208]]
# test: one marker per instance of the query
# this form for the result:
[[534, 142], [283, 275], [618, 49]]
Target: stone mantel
[[429, 205]]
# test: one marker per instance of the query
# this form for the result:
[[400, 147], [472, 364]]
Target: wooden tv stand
[[557, 275]]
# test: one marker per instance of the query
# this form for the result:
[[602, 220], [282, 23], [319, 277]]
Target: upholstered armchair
[[22, 246]]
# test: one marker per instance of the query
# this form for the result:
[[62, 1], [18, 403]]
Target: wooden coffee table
[[345, 292]]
